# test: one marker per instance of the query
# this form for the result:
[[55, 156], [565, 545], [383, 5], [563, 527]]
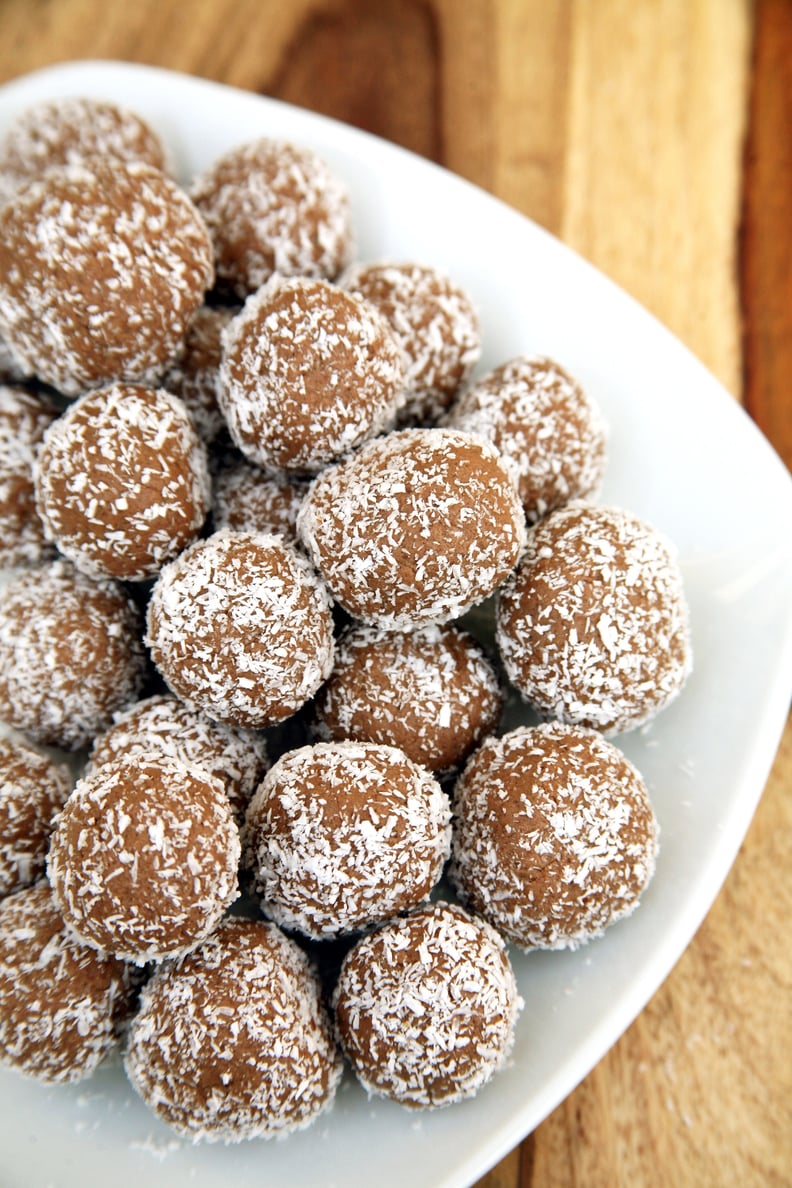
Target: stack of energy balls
[[248, 490]]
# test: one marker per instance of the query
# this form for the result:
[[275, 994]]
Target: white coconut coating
[[247, 499], [195, 376], [61, 1003], [240, 627], [548, 429], [414, 528], [273, 207], [70, 655], [432, 692], [593, 625], [436, 325], [233, 1042], [73, 130], [555, 838], [426, 1007], [340, 836], [24, 418], [101, 268], [308, 373], [122, 481], [33, 788], [143, 859], [165, 725]]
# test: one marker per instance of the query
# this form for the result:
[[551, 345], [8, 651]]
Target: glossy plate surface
[[685, 457]]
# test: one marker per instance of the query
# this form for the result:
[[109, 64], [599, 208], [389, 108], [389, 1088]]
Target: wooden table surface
[[654, 137]]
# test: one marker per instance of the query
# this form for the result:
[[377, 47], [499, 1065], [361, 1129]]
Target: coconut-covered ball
[[431, 692], [195, 376], [122, 481], [548, 430], [73, 131], [233, 1042], [414, 528], [164, 725], [593, 625], [24, 418], [246, 499], [343, 835], [143, 859], [240, 627], [101, 268], [426, 1007], [62, 1004], [70, 655], [273, 207], [309, 372], [32, 790], [436, 325], [555, 838]]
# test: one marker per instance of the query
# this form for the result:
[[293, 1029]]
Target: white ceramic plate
[[685, 457]]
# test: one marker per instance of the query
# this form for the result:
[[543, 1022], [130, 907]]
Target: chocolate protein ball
[[248, 500], [554, 835], [195, 376], [431, 692], [233, 1042], [62, 1004], [101, 268], [309, 372], [122, 482], [273, 207], [548, 430], [593, 625], [414, 528], [23, 421], [426, 1007], [73, 131], [435, 323], [143, 859], [343, 835], [240, 627], [70, 655], [32, 790], [164, 725]]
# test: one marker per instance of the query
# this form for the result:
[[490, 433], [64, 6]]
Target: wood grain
[[620, 127]]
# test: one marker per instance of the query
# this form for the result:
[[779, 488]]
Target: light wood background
[[654, 136]]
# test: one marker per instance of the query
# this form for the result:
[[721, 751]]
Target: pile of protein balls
[[248, 488]]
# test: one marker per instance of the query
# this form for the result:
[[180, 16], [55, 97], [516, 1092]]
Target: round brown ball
[[195, 376], [593, 625], [273, 207], [548, 430], [414, 528], [233, 1042], [431, 692], [62, 1004], [122, 482], [70, 655], [73, 130], [436, 325], [309, 372], [343, 835], [24, 418], [32, 790], [101, 268], [248, 500], [555, 838], [164, 725], [426, 1007], [240, 627], [143, 859]]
